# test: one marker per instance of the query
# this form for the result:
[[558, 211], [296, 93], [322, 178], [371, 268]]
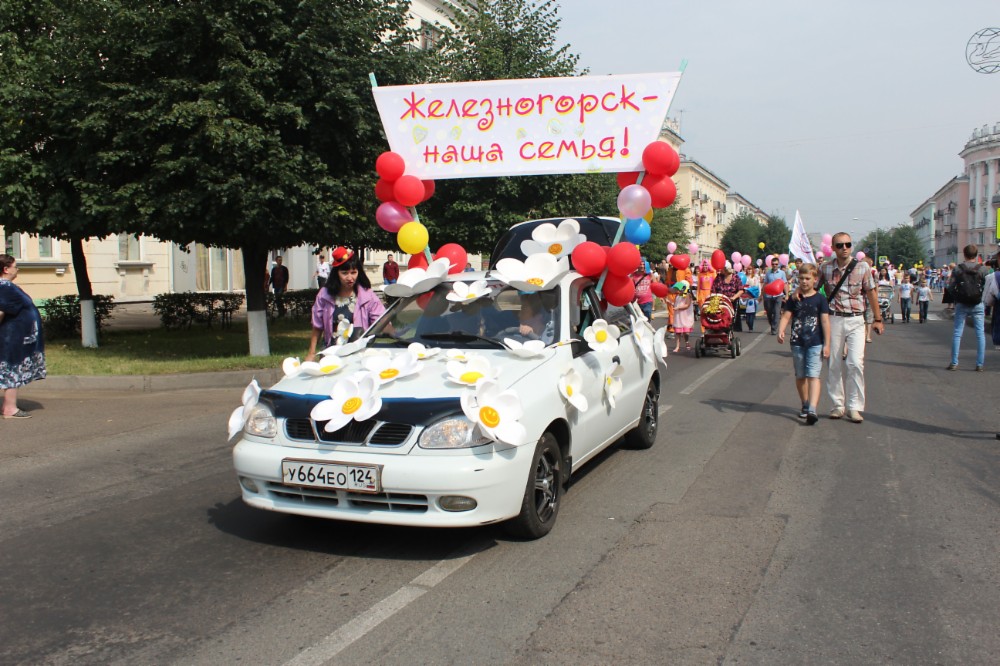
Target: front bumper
[[412, 484]]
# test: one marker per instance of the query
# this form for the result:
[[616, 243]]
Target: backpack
[[967, 286]]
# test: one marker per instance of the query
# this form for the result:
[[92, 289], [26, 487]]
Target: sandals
[[19, 414]]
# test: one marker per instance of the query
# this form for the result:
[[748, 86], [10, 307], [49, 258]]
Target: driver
[[535, 321]]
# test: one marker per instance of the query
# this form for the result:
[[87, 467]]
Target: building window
[[430, 35], [218, 269], [13, 245], [128, 247], [44, 247]]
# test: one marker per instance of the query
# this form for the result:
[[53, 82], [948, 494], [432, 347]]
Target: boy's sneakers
[[811, 418], [804, 412]]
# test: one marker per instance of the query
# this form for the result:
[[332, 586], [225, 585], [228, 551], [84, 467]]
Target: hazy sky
[[840, 109]]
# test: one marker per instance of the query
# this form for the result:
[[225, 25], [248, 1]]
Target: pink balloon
[[746, 261], [391, 216], [783, 259], [634, 201], [671, 247], [669, 257], [735, 256], [827, 251], [759, 262], [860, 256], [768, 258], [693, 248], [827, 239]]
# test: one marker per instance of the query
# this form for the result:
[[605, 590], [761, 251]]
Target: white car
[[435, 453]]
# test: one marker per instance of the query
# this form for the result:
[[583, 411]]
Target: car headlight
[[454, 433], [261, 421]]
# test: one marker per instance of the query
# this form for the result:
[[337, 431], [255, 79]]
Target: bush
[[298, 303], [61, 315], [181, 310]]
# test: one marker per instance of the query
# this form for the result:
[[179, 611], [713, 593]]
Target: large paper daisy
[[347, 348], [495, 412], [642, 334], [660, 347], [421, 352], [238, 419], [470, 372], [418, 280], [462, 292], [571, 388], [557, 241], [527, 349], [602, 336], [388, 369], [613, 383], [536, 273], [352, 398]]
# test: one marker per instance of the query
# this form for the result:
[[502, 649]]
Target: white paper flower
[[421, 352], [291, 366], [601, 336], [660, 347], [470, 372], [348, 348], [642, 334], [571, 388], [459, 355], [536, 273], [344, 330], [559, 242], [327, 365], [238, 419], [527, 349], [613, 383], [462, 292], [352, 398], [496, 413], [388, 369], [418, 280]]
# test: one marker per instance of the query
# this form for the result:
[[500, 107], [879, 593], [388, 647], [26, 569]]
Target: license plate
[[334, 476]]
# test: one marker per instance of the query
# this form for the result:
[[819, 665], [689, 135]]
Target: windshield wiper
[[396, 341], [462, 336]]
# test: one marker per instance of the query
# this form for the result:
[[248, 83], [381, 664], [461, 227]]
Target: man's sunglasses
[[841, 246]]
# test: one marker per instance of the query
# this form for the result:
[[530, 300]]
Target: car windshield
[[433, 320]]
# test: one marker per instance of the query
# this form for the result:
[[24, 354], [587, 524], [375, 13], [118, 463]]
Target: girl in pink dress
[[683, 314]]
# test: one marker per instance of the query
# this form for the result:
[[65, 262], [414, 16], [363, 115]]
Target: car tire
[[542, 493], [643, 435]]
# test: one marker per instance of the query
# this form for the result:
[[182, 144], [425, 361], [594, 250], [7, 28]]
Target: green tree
[[507, 39], [776, 235], [742, 235], [250, 123], [900, 244]]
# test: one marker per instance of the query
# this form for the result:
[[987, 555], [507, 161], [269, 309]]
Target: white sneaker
[[855, 416]]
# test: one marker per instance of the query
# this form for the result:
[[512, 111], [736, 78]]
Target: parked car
[[479, 399]]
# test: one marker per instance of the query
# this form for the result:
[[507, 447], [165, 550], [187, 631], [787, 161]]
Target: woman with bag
[[22, 349]]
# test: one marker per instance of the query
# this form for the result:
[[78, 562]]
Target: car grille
[[365, 433], [398, 502]]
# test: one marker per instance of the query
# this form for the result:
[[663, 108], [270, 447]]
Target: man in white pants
[[847, 327]]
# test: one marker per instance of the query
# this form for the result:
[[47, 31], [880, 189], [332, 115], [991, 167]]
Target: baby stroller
[[717, 319], [885, 294]]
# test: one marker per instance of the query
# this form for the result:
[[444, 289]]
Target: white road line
[[665, 409], [711, 373], [330, 646]]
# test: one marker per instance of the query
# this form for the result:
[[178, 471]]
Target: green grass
[[158, 351]]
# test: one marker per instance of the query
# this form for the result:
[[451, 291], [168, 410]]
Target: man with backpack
[[966, 286]]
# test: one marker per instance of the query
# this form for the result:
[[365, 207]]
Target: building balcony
[[996, 199]]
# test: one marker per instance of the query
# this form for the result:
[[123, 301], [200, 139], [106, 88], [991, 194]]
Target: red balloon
[[428, 189], [775, 288], [390, 166], [424, 298], [680, 261], [618, 289], [409, 190], [589, 259], [718, 260], [456, 255], [662, 190], [623, 259], [659, 289], [661, 159], [391, 216], [626, 178], [383, 191], [417, 261]]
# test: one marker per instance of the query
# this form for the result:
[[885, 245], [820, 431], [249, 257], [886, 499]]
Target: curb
[[157, 383]]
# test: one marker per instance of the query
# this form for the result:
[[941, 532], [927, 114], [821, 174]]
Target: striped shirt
[[852, 295]]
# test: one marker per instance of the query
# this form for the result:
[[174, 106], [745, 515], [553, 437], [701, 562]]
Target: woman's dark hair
[[6, 261], [333, 282]]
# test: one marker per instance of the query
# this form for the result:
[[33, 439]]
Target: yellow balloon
[[760, 245], [648, 216], [412, 238]]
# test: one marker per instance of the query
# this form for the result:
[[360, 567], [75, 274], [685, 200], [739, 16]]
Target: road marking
[[717, 369], [665, 409], [333, 644]]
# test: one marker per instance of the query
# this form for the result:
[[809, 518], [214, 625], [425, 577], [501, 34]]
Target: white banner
[[475, 129], [799, 246]]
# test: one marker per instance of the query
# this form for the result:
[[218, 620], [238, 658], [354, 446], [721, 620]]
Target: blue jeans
[[904, 308], [977, 312], [924, 305], [647, 309]]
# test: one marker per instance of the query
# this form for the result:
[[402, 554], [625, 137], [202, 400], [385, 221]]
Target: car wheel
[[542, 494], [644, 435]]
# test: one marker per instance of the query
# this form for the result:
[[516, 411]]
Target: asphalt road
[[741, 537]]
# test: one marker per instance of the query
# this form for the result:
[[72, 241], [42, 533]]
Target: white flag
[[799, 246]]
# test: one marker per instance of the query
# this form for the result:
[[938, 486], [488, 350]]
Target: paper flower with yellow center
[[347, 348], [642, 335], [291, 366], [470, 372], [421, 352], [327, 365], [418, 280], [602, 336], [352, 398], [571, 388], [388, 369], [613, 383], [459, 355], [536, 273], [558, 241], [344, 330], [527, 349], [462, 292], [238, 419], [495, 412], [660, 347]]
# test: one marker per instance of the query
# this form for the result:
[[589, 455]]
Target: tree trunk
[[88, 321], [254, 272]]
